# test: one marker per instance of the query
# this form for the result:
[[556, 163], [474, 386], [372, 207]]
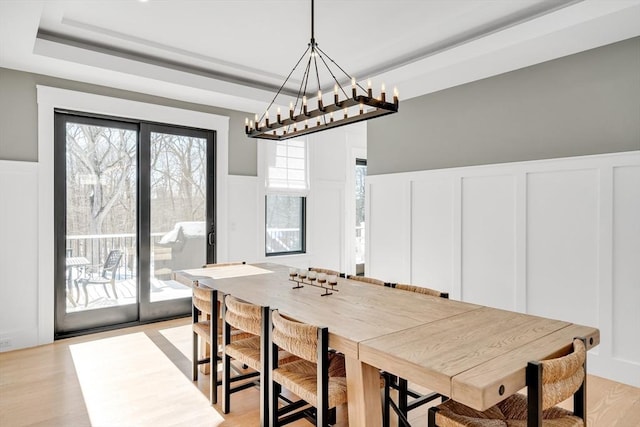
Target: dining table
[[474, 354]]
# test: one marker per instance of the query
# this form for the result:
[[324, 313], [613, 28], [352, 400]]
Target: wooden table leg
[[363, 391]]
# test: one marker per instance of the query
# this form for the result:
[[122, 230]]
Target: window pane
[[361, 173], [284, 224]]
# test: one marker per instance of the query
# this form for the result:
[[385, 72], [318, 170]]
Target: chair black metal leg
[[431, 417], [403, 396], [213, 350], [534, 394], [386, 418], [265, 373]]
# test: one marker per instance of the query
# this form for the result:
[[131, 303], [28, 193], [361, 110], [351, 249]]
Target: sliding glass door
[[134, 202]]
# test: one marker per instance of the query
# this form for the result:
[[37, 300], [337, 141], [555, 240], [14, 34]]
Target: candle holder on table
[[302, 277]]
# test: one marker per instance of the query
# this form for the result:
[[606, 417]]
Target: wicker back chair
[[223, 264], [251, 350], [549, 382], [208, 328], [326, 271], [421, 290], [367, 280], [404, 404], [318, 377]]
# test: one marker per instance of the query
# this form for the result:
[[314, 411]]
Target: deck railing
[[96, 247]]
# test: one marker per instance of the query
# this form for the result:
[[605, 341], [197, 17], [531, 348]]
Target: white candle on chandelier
[[320, 106], [346, 113], [353, 87], [361, 108], [246, 124], [306, 124], [279, 117], [369, 90], [266, 119], [382, 94], [304, 104], [251, 124], [331, 117], [395, 96], [291, 110]]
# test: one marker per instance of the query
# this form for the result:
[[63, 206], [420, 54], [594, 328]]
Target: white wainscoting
[[558, 238], [242, 213], [326, 225], [18, 254]]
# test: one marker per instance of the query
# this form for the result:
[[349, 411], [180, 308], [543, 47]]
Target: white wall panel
[[488, 241], [432, 223], [626, 263], [18, 253], [558, 238], [327, 216], [387, 232], [562, 245], [242, 208]]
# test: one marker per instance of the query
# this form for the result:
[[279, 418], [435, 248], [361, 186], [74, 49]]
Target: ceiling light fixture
[[301, 120]]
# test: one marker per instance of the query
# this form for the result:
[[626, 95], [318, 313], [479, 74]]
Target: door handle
[[210, 238]]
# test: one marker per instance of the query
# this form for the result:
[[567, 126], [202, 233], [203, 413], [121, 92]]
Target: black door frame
[[82, 322]]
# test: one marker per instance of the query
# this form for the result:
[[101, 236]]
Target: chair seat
[[511, 412], [300, 377], [247, 351]]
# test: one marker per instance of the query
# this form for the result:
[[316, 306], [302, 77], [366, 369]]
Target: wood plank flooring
[[141, 377]]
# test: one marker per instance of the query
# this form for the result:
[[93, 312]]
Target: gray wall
[[587, 103], [19, 118]]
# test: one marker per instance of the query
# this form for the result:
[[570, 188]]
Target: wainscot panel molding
[[18, 254], [557, 238]]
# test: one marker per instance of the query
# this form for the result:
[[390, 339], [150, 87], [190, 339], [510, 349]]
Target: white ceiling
[[232, 53]]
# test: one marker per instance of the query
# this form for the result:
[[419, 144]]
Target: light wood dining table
[[474, 354]]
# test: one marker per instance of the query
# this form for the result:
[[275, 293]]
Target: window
[[285, 224], [285, 202]]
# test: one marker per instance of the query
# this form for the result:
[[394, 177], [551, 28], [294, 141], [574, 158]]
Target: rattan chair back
[[202, 298], [421, 290], [325, 271], [296, 338], [369, 280], [244, 316], [562, 377], [223, 264]]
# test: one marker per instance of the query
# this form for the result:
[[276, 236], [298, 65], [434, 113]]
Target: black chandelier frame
[[299, 120]]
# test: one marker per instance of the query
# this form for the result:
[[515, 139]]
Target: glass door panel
[[101, 217], [178, 214], [96, 162]]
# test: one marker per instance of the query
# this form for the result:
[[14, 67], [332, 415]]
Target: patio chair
[[107, 275]]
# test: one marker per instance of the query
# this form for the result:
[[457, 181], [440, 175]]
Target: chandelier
[[303, 119]]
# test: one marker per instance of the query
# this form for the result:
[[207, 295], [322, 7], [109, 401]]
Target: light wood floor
[[141, 377]]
